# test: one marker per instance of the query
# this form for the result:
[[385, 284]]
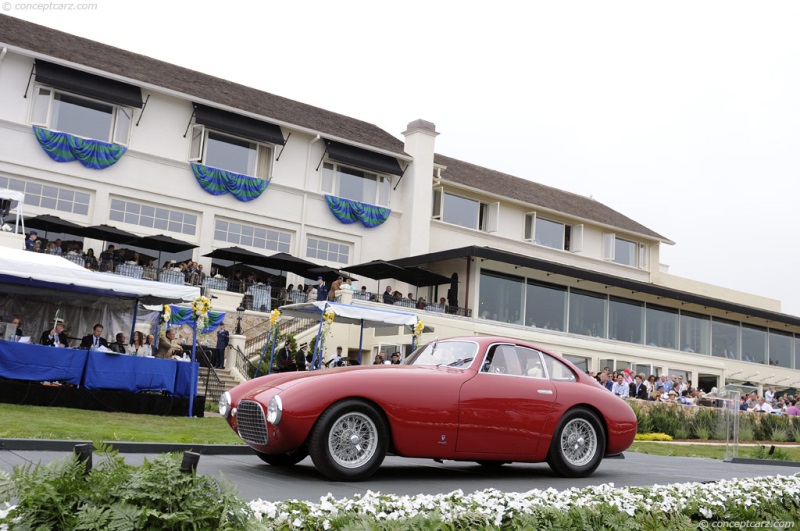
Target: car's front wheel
[[578, 444], [349, 441], [290, 459]]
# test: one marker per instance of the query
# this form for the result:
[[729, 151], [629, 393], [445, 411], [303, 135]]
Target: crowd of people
[[769, 402], [666, 388]]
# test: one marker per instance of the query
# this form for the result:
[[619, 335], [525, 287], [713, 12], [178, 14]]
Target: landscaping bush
[[653, 437]]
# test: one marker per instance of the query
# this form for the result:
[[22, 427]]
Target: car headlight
[[274, 410], [225, 404]]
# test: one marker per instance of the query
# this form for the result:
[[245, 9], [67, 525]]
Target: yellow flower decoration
[[329, 316], [418, 328], [167, 313], [274, 315], [200, 308]]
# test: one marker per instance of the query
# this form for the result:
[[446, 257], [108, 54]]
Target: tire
[[349, 441], [290, 459], [578, 445]]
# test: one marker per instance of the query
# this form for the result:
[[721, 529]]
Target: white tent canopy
[[346, 313], [37, 270], [17, 200]]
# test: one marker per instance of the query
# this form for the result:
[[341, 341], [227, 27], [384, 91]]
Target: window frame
[[382, 180], [198, 151], [571, 235], [117, 134], [488, 214], [640, 256]]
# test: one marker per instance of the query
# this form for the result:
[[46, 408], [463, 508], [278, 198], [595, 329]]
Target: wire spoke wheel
[[353, 440], [578, 442]]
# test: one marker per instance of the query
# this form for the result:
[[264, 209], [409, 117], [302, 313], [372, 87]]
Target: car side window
[[558, 370], [531, 363], [502, 359]]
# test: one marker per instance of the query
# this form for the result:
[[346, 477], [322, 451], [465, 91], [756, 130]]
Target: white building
[[220, 164]]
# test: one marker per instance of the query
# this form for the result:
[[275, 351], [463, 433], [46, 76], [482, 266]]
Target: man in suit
[[168, 346], [55, 337], [119, 345], [637, 388], [223, 338], [94, 340]]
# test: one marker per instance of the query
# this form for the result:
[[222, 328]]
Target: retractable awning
[[238, 125], [363, 158], [102, 88]]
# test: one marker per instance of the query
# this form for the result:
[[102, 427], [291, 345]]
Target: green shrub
[[746, 433], [780, 434], [762, 452], [653, 437]]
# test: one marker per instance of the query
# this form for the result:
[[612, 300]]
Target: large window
[[358, 185], [84, 117], [661, 327], [545, 232], [252, 236], [587, 313], [625, 252], [230, 153], [328, 250], [695, 333], [725, 339], [780, 349], [49, 197], [545, 305], [162, 219], [625, 320], [501, 297], [754, 344], [466, 212]]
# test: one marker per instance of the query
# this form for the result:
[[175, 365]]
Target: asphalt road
[[255, 479]]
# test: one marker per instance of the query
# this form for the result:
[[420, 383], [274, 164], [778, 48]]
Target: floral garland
[[327, 321], [200, 308], [166, 314], [274, 315], [418, 328]]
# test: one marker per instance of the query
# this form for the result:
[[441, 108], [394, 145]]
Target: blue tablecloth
[[38, 363], [186, 371], [129, 373]]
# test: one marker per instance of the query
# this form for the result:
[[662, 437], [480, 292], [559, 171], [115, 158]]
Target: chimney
[[416, 195]]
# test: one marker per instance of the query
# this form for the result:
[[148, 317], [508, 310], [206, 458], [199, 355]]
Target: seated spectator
[[57, 247], [620, 388], [655, 396], [168, 346], [762, 406], [30, 241], [107, 259], [16, 320], [792, 409], [378, 360], [90, 261], [605, 382], [119, 345], [743, 403], [388, 298], [138, 345], [638, 389], [150, 345], [671, 397], [94, 340], [421, 303], [55, 337]]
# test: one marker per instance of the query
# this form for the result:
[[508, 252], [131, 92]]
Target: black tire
[[290, 459], [578, 445], [349, 441]]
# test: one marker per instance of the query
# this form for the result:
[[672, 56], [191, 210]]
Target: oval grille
[[252, 423]]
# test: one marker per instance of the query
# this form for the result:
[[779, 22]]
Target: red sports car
[[487, 399]]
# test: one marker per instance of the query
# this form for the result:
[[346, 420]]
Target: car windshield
[[458, 354]]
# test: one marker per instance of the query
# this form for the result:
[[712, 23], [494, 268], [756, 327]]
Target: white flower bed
[[697, 501]]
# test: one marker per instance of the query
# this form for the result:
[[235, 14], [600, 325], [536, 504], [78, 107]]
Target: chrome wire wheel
[[578, 442], [352, 440]]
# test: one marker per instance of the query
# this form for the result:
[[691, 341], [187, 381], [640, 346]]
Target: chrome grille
[[252, 423]]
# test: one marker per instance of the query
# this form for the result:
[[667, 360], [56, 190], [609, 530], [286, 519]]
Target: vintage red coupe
[[486, 399]]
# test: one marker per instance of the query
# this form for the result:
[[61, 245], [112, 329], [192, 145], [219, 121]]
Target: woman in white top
[[137, 347]]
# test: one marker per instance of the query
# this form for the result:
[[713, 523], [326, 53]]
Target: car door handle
[[544, 391]]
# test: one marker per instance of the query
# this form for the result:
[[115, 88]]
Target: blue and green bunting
[[348, 211], [218, 182], [181, 315], [64, 147]]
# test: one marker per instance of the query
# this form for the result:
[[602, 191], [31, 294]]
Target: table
[[185, 373], [172, 276], [216, 283], [129, 373], [130, 270], [75, 259], [262, 301], [22, 361]]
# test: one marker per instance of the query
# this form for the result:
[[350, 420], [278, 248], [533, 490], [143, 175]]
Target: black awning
[[86, 84], [238, 125], [363, 158]]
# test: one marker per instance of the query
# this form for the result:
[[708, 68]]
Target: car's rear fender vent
[[252, 423]]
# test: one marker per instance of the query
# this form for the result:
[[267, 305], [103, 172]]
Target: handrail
[[245, 367]]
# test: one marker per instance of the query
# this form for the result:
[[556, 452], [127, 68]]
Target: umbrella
[[426, 277], [107, 233], [49, 223], [293, 264], [328, 274], [415, 276], [160, 243], [237, 254]]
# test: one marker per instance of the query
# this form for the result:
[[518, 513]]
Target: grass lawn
[[33, 422], [703, 450]]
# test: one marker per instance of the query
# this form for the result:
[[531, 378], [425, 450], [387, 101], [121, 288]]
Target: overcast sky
[[684, 116]]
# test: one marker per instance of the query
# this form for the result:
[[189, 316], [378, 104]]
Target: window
[[328, 250], [466, 212], [545, 305], [553, 234], [695, 333], [725, 339], [252, 236], [754, 344], [229, 152], [661, 327], [625, 320], [49, 197], [780, 349], [357, 185], [587, 313], [557, 370], [623, 251], [153, 217], [500, 297], [80, 116]]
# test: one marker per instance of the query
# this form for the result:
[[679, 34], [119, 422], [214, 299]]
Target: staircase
[[216, 386]]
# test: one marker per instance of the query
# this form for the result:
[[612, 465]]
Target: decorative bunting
[[348, 211], [181, 315], [218, 182], [64, 147]]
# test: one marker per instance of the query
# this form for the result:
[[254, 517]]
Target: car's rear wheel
[[578, 444], [349, 441], [290, 459]]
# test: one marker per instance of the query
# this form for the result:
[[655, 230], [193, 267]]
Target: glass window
[[458, 354], [548, 233], [545, 305], [327, 250], [461, 211], [754, 344], [49, 197], [139, 214], [625, 320], [695, 333], [725, 339], [242, 234], [82, 117], [231, 153], [587, 313], [780, 349], [355, 184], [500, 297], [797, 352], [530, 362], [557, 370], [625, 252], [661, 327]]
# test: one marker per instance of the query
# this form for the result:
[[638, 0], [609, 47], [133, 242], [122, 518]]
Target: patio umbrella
[[160, 243], [237, 254], [107, 233], [293, 264], [426, 277], [379, 269], [49, 223], [328, 274]]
